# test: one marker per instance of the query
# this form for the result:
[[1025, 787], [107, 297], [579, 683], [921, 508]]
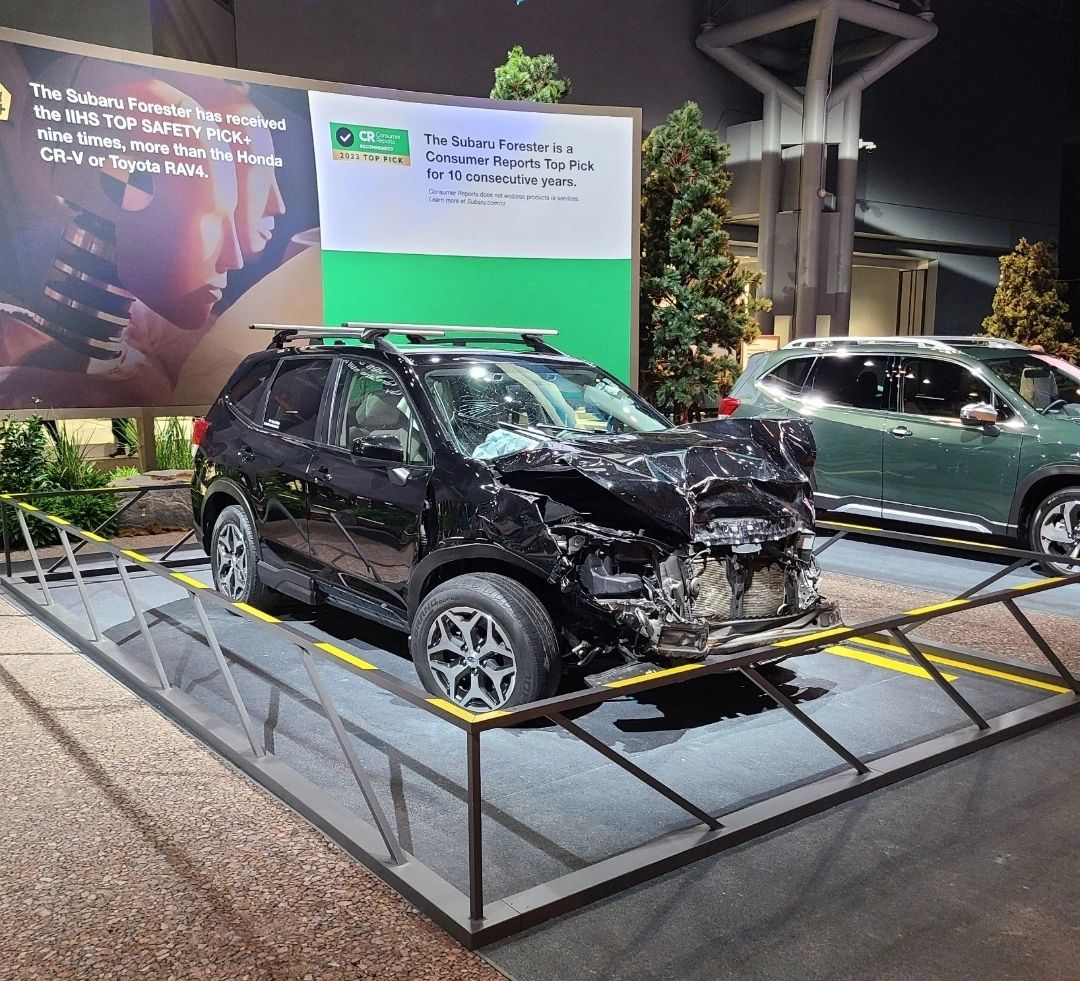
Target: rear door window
[[295, 396], [853, 380]]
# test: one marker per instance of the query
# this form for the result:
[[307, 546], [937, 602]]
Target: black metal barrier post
[[469, 916]]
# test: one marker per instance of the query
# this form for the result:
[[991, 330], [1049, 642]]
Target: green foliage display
[[694, 295], [30, 461], [529, 78], [1029, 303], [173, 441]]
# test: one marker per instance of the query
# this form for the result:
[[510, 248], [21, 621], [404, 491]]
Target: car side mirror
[[387, 448], [979, 414]]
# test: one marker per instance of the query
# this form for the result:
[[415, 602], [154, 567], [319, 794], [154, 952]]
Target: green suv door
[[937, 465]]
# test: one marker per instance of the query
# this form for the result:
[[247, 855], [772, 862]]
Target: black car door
[[275, 455], [369, 485]]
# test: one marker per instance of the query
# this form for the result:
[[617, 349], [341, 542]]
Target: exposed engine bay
[[682, 543]]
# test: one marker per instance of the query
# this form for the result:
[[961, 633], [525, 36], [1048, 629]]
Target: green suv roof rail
[[937, 342]]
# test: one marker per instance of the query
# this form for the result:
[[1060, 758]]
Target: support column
[[769, 203], [808, 268], [846, 183]]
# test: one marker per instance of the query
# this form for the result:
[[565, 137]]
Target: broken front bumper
[[693, 640]]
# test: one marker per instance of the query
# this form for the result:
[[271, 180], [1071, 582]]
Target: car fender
[[475, 551], [1053, 470], [230, 488]]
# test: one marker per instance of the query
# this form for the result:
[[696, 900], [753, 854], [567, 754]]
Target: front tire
[[1055, 530], [234, 554], [485, 642]]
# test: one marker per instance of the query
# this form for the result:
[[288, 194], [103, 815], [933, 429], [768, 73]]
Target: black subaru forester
[[512, 509]]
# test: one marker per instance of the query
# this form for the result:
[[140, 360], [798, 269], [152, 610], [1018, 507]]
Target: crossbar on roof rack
[[377, 333]]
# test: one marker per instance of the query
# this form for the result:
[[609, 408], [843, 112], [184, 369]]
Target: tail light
[[200, 429], [728, 405]]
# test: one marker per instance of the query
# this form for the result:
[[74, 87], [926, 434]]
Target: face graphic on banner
[[175, 252], [259, 199]]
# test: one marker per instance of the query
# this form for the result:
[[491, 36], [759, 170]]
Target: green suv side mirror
[[979, 414]]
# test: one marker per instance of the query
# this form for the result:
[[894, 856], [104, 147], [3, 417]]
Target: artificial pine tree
[[1029, 304], [529, 78], [694, 295]]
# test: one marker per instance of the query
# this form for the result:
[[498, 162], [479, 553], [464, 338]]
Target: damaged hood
[[736, 480]]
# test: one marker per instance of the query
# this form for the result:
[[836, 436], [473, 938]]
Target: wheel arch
[[219, 495], [448, 563], [1036, 487]]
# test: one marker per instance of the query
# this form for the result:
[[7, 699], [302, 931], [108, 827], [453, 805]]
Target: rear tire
[[1055, 529], [234, 557], [485, 642]]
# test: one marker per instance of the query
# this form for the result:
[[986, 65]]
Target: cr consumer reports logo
[[370, 144]]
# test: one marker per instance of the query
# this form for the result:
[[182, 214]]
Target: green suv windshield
[[1047, 384], [500, 405]]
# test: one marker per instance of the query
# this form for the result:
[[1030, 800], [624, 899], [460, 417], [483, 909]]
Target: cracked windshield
[[493, 408]]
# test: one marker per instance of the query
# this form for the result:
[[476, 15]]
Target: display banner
[[150, 210]]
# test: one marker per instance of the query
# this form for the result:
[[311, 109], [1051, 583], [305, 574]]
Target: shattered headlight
[[741, 531]]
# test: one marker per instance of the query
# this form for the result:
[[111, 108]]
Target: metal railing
[[471, 916]]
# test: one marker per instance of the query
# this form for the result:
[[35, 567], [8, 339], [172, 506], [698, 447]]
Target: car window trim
[[324, 430], [261, 424]]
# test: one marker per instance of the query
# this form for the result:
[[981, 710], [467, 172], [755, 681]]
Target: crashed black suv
[[514, 511]]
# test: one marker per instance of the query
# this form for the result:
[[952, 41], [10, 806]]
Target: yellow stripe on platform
[[256, 613], [648, 676], [1037, 583], [346, 656], [189, 580], [27, 507], [885, 662], [842, 524], [58, 520], [821, 634], [137, 556], [94, 537], [459, 712], [964, 541], [966, 666], [934, 607]]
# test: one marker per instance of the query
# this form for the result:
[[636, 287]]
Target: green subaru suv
[[970, 433]]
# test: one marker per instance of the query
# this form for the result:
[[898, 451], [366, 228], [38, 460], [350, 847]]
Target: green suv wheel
[[1055, 529]]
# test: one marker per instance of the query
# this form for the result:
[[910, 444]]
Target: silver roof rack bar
[[422, 329], [936, 342]]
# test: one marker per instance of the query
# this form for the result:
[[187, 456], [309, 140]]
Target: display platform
[[554, 810]]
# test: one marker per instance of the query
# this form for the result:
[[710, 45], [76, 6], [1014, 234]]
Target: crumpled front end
[[681, 544], [686, 603]]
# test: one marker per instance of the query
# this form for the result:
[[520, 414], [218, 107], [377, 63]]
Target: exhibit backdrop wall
[[151, 209]]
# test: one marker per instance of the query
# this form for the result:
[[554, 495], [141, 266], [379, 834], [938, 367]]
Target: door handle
[[246, 454], [900, 431], [321, 476]]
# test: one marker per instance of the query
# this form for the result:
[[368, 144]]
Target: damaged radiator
[[734, 588]]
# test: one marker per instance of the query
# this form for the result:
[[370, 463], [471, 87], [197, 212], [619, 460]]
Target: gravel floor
[[129, 851], [991, 629]]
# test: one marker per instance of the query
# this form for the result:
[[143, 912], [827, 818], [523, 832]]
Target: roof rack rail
[[532, 336], [371, 333], [416, 333], [937, 342]]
